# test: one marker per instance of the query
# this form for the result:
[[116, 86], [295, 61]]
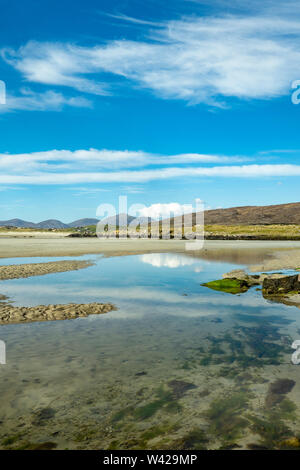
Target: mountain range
[[244, 215], [119, 220]]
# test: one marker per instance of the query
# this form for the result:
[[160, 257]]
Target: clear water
[[177, 366]]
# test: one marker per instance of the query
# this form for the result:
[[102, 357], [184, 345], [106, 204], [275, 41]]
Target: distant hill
[[51, 223], [17, 223], [83, 223], [286, 214], [120, 220]]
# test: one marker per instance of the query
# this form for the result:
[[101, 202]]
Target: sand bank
[[16, 271], [10, 314], [281, 260]]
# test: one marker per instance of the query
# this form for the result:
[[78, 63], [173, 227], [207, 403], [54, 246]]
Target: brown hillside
[[252, 215]]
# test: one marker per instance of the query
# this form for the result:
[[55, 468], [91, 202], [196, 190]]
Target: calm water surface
[[177, 366]]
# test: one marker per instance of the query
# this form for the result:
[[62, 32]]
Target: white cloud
[[169, 260], [173, 209], [46, 101], [246, 171], [205, 59], [64, 167]]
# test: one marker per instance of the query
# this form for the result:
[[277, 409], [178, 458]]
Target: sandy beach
[[261, 255]]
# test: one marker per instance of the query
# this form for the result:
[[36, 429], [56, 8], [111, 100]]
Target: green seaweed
[[225, 417], [37, 446], [85, 434], [121, 414], [231, 286], [271, 431], [157, 431], [146, 411], [15, 443], [165, 399], [287, 409], [250, 347], [195, 439], [10, 440]]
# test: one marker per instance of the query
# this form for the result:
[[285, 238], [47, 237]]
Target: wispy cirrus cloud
[[94, 159], [198, 59], [65, 168]]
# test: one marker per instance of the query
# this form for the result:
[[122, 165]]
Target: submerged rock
[[278, 390], [42, 415], [180, 387]]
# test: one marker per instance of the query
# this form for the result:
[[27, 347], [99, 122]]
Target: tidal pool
[[177, 366]]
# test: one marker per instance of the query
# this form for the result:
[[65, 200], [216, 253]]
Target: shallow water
[[177, 366]]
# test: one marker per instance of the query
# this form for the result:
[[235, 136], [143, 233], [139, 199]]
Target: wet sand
[[281, 260], [17, 271], [10, 314], [31, 247]]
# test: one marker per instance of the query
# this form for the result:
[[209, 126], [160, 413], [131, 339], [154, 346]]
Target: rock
[[241, 275], [281, 285]]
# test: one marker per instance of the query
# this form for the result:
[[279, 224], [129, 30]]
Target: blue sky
[[162, 101]]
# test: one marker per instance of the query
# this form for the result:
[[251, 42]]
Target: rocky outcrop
[[11, 314], [281, 285], [276, 286]]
